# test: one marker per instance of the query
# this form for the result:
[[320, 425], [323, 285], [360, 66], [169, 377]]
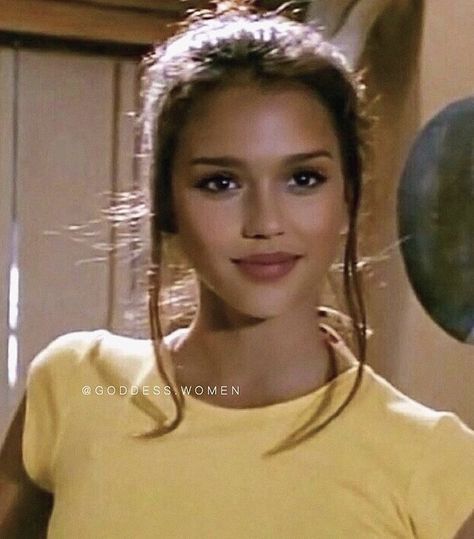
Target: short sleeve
[[441, 493], [48, 397]]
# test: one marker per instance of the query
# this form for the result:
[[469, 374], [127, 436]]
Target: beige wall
[[410, 349], [447, 68], [443, 373], [67, 140]]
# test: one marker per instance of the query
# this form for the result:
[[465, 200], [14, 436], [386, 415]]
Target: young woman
[[257, 420]]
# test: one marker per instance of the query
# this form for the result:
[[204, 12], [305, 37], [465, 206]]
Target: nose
[[262, 216]]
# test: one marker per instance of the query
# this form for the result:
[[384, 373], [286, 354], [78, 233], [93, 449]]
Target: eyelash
[[321, 178]]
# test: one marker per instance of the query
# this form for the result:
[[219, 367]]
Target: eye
[[307, 179], [217, 183]]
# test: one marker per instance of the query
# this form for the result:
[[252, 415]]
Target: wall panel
[[7, 173], [67, 141], [64, 162], [126, 106]]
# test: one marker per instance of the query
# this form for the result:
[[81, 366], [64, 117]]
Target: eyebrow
[[227, 160]]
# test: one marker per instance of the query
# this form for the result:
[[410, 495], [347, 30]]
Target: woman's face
[[259, 171]]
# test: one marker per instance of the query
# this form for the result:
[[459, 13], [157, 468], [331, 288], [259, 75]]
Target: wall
[[67, 141], [410, 349]]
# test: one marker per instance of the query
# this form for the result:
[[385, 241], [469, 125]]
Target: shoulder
[[441, 491], [397, 410], [50, 391], [401, 430], [93, 357], [432, 452], [96, 349], [63, 352], [122, 359]]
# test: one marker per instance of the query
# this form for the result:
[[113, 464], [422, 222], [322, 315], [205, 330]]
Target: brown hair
[[210, 48]]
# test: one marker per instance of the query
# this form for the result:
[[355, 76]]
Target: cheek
[[323, 242], [204, 227], [322, 221]]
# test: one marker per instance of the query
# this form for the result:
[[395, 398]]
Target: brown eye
[[217, 183], [307, 179]]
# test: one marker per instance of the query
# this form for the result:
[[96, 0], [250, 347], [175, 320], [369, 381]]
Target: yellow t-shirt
[[387, 467]]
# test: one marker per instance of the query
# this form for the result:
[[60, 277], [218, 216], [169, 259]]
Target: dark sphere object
[[436, 219]]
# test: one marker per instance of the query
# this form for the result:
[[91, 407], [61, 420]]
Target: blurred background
[[68, 91]]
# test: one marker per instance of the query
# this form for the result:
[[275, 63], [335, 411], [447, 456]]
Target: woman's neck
[[270, 360]]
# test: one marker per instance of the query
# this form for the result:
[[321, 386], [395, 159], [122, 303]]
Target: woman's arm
[[24, 508], [467, 530]]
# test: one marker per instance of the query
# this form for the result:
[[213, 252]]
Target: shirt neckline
[[291, 405]]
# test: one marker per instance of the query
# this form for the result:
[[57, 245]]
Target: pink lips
[[267, 266]]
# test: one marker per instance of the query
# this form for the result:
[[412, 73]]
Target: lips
[[267, 258], [267, 266]]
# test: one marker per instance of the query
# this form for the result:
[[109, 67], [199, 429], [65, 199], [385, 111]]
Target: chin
[[264, 305], [255, 301], [261, 312]]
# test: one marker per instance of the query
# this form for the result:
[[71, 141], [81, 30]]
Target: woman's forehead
[[251, 119], [246, 87]]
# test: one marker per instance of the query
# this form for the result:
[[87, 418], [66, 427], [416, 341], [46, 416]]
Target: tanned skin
[[24, 507]]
